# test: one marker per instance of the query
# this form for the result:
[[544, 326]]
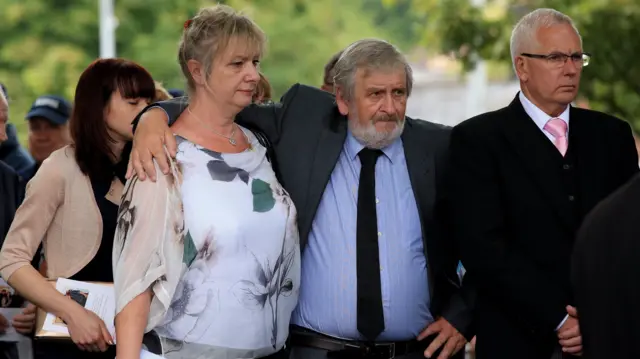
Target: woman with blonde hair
[[207, 258]]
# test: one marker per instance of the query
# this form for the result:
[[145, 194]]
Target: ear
[[197, 72], [522, 69], [343, 105]]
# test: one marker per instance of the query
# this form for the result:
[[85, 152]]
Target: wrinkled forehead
[[383, 76], [243, 46]]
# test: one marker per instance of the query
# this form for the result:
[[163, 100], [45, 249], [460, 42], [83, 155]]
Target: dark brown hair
[[88, 124], [263, 90]]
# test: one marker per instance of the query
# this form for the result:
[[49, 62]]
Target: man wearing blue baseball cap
[[48, 126]]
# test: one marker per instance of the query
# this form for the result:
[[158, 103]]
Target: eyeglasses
[[559, 59]]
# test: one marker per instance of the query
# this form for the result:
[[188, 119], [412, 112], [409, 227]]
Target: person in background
[[48, 126], [176, 93], [11, 195], [636, 141], [11, 188], [327, 80], [161, 93], [522, 179], [11, 152], [263, 91], [606, 276], [71, 206]]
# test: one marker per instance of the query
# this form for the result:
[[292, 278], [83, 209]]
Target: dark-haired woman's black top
[[99, 269]]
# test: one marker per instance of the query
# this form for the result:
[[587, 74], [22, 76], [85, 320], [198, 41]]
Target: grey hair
[[525, 31], [367, 54]]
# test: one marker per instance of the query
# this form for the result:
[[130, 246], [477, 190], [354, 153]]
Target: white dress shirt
[[540, 117]]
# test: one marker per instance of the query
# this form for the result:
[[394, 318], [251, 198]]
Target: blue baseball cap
[[176, 92], [54, 108]]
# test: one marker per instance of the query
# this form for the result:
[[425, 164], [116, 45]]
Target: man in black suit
[[345, 161], [11, 195], [605, 276], [11, 186], [522, 179]]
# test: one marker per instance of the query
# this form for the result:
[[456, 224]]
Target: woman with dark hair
[[71, 205]]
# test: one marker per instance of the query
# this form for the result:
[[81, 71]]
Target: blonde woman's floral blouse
[[217, 242]]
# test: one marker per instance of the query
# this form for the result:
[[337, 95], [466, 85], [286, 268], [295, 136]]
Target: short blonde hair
[[161, 93], [208, 34]]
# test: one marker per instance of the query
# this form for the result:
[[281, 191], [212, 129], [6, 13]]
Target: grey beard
[[368, 136]]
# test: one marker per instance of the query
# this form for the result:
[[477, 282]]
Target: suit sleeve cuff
[[137, 119], [562, 322]]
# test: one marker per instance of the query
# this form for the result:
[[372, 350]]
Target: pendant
[[232, 141]]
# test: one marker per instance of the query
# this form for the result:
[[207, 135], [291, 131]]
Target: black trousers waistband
[[339, 348]]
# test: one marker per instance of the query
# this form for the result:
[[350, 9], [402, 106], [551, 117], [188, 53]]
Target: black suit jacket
[[606, 276], [11, 195], [307, 134], [515, 224]]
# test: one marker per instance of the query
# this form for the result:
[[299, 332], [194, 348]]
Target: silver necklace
[[232, 141]]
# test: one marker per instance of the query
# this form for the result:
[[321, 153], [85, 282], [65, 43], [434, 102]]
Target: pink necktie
[[558, 129]]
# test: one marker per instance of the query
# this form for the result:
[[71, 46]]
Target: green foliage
[[608, 27], [46, 44]]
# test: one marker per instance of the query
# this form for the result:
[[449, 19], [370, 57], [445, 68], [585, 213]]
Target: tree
[[611, 83], [45, 45]]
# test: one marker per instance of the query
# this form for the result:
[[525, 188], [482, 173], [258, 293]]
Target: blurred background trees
[[609, 29], [45, 44]]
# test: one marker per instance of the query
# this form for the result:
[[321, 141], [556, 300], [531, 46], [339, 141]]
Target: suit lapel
[[326, 156], [540, 157], [420, 164]]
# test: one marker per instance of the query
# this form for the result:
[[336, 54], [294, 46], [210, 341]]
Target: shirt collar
[[353, 147], [538, 116]]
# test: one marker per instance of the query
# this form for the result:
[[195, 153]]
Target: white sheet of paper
[[10, 335], [99, 299]]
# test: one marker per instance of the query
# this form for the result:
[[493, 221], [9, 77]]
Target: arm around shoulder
[[172, 108]]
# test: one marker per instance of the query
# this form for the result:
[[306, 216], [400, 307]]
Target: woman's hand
[[151, 134], [25, 321], [88, 331]]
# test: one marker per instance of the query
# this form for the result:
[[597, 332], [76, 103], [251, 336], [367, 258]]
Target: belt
[[338, 348]]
